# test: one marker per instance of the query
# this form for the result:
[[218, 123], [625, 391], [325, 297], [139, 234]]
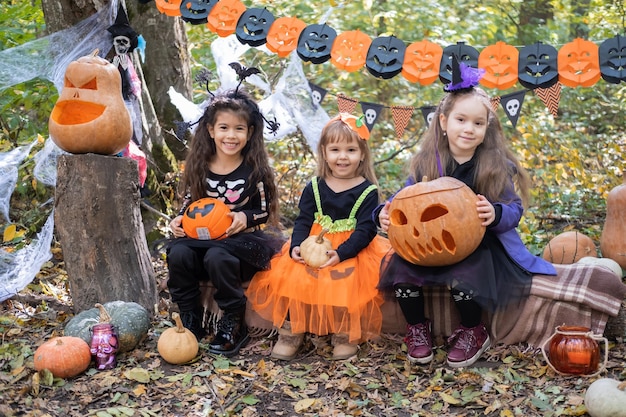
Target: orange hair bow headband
[[357, 124]]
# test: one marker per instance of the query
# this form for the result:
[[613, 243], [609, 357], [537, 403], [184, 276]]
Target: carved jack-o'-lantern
[[196, 12], [435, 223], [224, 17], [315, 43], [578, 63], [253, 26], [349, 50], [206, 218], [169, 7], [612, 57], [385, 57], [465, 54], [282, 37], [421, 62], [90, 115], [500, 62], [538, 66]]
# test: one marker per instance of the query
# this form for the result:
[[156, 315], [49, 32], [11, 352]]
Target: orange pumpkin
[[349, 50], [569, 247], [283, 35], [224, 17], [206, 218], [169, 7], [64, 356], [500, 62], [421, 62], [579, 63], [612, 239], [435, 223], [90, 115]]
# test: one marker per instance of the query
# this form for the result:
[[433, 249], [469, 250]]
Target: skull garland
[[434, 223]]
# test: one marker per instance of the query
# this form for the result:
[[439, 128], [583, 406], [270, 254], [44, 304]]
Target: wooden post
[[98, 222]]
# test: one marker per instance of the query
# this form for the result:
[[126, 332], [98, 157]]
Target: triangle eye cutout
[[89, 85]]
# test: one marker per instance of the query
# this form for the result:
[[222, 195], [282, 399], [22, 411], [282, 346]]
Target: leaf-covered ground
[[379, 381]]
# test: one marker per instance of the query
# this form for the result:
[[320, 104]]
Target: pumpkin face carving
[[196, 11], [435, 223], [90, 115], [253, 26], [500, 62], [315, 43], [421, 62], [465, 54], [349, 50], [385, 57], [578, 63], [206, 218], [224, 17], [538, 66], [612, 56], [283, 35], [169, 7]]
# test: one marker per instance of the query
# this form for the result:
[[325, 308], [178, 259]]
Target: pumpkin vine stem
[[104, 314], [320, 237]]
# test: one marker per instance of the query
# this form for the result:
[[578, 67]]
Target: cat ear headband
[[204, 76], [357, 124]]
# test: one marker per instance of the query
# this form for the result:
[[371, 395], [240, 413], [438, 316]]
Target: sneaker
[[467, 344], [419, 342], [287, 345], [231, 334], [342, 349]]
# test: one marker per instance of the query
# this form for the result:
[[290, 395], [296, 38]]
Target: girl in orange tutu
[[340, 297]]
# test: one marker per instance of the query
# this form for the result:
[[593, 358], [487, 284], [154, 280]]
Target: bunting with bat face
[[512, 105], [372, 112]]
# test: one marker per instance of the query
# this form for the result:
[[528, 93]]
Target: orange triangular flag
[[346, 104], [401, 117], [495, 103], [551, 97]]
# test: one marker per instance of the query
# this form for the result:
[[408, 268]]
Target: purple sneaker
[[419, 342], [467, 345]]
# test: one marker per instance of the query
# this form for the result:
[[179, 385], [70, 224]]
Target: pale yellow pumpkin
[[313, 249], [177, 345]]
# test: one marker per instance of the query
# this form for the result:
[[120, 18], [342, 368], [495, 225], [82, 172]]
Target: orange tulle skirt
[[339, 299]]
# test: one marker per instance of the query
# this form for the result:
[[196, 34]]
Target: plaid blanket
[[579, 295]]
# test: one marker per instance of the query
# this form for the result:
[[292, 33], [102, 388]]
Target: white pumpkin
[[606, 398], [607, 263]]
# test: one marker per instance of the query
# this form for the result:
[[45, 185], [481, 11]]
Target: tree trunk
[[98, 222]]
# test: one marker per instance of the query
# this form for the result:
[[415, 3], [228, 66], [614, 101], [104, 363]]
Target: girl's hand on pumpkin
[[486, 211], [295, 254], [383, 217], [176, 226], [333, 259], [240, 223]]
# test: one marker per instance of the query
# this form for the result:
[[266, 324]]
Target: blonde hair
[[338, 131], [493, 157]]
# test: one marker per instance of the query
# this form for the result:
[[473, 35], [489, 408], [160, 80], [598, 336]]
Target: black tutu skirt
[[489, 274]]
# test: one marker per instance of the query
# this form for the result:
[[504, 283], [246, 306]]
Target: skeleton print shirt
[[239, 193]]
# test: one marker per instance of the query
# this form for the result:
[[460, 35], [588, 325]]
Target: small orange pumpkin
[[313, 249], [90, 115], [435, 223], [500, 62], [579, 63], [64, 356], [207, 218], [224, 17], [349, 50], [569, 247], [421, 62], [283, 35]]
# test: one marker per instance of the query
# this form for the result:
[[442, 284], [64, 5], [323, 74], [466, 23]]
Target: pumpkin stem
[[104, 314], [179, 324], [425, 178], [622, 386], [95, 52], [320, 237]]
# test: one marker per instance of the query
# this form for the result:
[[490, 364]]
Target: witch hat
[[464, 77], [122, 27]]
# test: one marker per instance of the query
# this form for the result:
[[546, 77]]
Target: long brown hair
[[203, 149], [493, 157], [338, 131]]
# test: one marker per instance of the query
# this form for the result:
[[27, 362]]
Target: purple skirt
[[489, 274]]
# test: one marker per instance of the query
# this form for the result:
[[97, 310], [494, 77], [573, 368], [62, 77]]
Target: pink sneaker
[[467, 345], [419, 342]]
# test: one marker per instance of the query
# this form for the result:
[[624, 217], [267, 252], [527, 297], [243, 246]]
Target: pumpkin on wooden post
[[435, 223], [90, 115]]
